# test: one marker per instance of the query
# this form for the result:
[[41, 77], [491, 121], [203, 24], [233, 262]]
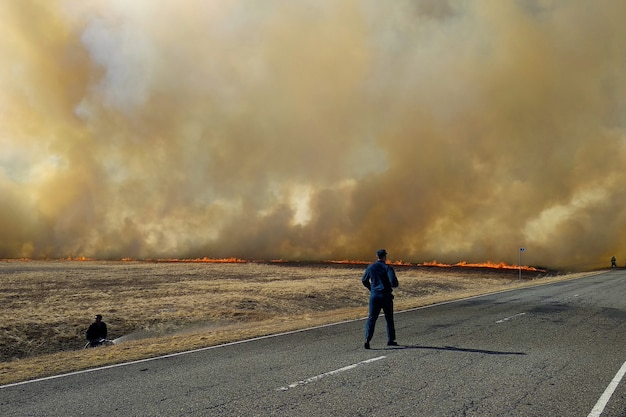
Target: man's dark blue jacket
[[380, 278]]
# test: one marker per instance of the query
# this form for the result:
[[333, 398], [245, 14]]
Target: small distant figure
[[613, 262], [97, 332], [380, 279]]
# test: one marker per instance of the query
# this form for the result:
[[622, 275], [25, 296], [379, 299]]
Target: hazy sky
[[314, 129]]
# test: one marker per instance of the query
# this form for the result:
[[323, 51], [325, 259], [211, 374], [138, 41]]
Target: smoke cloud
[[314, 130]]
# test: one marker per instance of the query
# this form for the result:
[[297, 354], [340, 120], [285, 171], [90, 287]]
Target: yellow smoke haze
[[314, 130]]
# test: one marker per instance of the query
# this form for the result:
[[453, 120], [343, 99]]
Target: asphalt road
[[551, 350]]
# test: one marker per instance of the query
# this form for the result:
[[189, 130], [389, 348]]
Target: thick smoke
[[314, 129]]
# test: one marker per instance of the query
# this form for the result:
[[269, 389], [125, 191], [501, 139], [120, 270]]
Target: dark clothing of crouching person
[[97, 331], [380, 279]]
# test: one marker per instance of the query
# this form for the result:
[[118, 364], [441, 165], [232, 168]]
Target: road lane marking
[[608, 392], [509, 318], [336, 371]]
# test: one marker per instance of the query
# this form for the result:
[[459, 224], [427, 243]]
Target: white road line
[[509, 318], [336, 371], [606, 396]]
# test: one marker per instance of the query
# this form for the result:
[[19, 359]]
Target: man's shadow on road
[[453, 349]]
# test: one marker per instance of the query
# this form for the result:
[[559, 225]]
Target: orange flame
[[434, 263], [206, 260], [77, 259], [345, 261], [488, 264]]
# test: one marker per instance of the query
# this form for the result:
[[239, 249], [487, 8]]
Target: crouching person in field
[[97, 332]]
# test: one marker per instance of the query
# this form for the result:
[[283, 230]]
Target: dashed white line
[[336, 371], [606, 396], [509, 318]]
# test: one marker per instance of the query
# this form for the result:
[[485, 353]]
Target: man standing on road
[[380, 279]]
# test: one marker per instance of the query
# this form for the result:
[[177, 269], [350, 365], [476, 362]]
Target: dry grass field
[[154, 308]]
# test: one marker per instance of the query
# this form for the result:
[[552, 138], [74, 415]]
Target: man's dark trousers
[[380, 301]]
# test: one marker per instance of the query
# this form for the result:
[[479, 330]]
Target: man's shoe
[[392, 343], [366, 345]]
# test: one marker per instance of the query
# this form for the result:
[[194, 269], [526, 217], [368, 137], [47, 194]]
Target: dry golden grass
[[159, 308]]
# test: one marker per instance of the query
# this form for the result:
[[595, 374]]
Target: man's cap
[[381, 253], [98, 316]]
